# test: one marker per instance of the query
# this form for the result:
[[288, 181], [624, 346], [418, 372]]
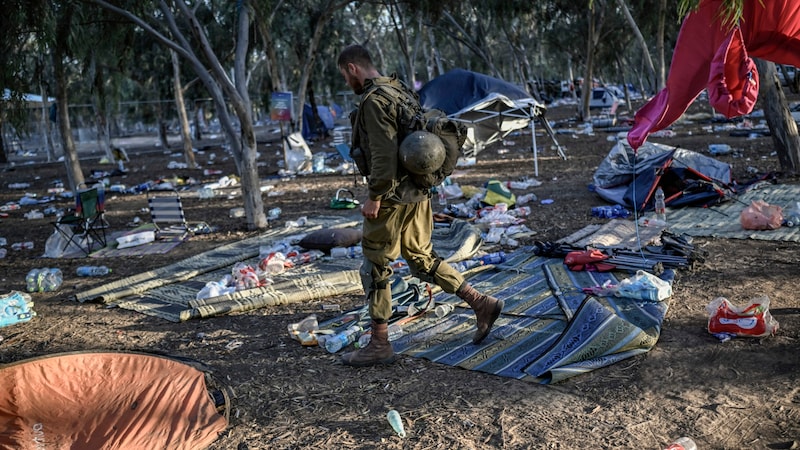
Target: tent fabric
[[493, 108], [710, 54], [106, 400], [687, 178], [471, 87]]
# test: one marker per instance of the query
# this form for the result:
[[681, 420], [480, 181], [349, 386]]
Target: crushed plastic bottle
[[396, 422], [93, 271]]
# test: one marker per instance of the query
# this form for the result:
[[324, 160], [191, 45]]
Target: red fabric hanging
[[711, 55]]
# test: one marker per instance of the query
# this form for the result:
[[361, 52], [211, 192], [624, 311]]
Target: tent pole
[[533, 145]]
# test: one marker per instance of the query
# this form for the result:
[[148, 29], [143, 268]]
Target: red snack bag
[[753, 320]]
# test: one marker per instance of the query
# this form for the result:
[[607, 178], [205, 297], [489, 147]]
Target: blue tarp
[[460, 88], [311, 129], [687, 178]]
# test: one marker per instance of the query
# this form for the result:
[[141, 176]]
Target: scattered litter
[[15, 307], [547, 201], [396, 422], [177, 165], [753, 320], [233, 345]]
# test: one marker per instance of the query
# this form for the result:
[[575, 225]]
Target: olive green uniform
[[405, 220]]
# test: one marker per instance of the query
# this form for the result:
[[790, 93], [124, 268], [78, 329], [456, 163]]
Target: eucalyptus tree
[[20, 23], [67, 16], [175, 24]]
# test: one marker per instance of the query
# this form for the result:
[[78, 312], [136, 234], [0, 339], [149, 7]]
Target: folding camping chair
[[87, 225], [166, 212]]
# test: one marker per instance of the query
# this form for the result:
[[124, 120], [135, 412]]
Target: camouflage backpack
[[412, 117]]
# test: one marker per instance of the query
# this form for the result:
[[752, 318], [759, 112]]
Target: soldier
[[398, 219]]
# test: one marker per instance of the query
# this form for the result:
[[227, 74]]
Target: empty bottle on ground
[[93, 271]]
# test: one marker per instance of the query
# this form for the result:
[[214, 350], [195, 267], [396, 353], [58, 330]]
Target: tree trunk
[[3, 156], [46, 129], [586, 88], [662, 58], [251, 185], [779, 119], [101, 112], [308, 66], [638, 34], [73, 165], [198, 121], [186, 134]]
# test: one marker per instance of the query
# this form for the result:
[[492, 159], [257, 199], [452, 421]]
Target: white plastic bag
[[644, 286]]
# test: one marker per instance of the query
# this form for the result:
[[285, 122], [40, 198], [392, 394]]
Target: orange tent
[[106, 401]]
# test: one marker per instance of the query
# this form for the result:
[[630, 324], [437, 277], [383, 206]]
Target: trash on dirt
[[233, 345], [753, 320], [15, 307], [304, 331], [760, 215], [644, 286]]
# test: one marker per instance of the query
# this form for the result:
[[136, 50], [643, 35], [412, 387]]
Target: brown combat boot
[[378, 351], [487, 310]]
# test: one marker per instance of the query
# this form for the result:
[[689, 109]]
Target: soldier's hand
[[370, 208]]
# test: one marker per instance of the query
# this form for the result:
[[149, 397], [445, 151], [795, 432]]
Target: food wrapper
[[753, 320]]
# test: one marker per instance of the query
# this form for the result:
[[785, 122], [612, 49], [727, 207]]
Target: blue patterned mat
[[549, 329]]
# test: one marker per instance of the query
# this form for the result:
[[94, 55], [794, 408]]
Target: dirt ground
[[742, 394]]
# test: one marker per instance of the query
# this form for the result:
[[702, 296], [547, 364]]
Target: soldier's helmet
[[422, 152]]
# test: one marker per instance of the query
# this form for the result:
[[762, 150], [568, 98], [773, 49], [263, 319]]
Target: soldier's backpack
[[412, 117]]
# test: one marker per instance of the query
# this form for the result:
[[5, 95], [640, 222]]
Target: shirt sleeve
[[380, 124]]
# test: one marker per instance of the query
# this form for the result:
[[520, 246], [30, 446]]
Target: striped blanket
[[170, 292], [549, 330]]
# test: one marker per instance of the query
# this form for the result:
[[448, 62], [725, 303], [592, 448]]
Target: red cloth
[[588, 260], [710, 55]]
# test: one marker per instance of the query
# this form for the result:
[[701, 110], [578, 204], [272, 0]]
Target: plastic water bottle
[[396, 422], [273, 213], [44, 280], [441, 194], [493, 258], [50, 280], [660, 205], [341, 340], [93, 271], [463, 266], [347, 252], [395, 332], [682, 443], [610, 212]]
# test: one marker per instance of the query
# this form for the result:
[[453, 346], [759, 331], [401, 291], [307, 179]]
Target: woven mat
[[549, 329], [170, 292], [617, 233], [157, 247], [722, 221]]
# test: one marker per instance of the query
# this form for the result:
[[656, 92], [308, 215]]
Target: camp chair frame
[[166, 213], [87, 225]]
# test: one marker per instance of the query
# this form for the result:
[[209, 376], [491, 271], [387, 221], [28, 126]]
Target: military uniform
[[405, 220]]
